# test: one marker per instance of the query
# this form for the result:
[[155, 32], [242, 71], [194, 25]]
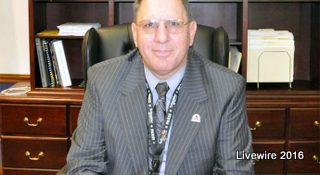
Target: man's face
[[163, 48]]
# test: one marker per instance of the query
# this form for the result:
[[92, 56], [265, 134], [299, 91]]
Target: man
[[161, 108]]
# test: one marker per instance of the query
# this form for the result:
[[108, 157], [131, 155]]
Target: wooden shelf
[[58, 92], [297, 86], [235, 16], [54, 34], [234, 42]]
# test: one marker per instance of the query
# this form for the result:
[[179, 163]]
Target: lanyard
[[156, 145], [168, 117]]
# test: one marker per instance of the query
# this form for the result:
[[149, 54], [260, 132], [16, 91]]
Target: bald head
[[185, 3]]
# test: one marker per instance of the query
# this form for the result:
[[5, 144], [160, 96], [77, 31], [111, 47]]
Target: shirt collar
[[172, 81]]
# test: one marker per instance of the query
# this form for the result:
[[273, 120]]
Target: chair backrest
[[109, 42]]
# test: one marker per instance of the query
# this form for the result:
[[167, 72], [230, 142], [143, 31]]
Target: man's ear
[[192, 31], [134, 33]]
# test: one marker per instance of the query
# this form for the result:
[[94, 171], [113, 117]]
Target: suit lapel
[[132, 114], [189, 106]]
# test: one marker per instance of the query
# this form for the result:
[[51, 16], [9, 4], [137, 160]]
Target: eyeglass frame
[[167, 23]]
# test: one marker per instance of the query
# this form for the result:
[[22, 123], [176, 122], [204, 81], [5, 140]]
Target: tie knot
[[162, 89]]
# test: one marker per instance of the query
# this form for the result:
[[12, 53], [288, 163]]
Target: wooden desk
[[281, 121]]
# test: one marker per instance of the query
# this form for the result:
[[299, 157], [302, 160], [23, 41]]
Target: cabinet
[[35, 135], [304, 133], [301, 17], [268, 130], [46, 15], [286, 124]]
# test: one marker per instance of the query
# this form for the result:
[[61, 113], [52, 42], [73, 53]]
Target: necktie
[[159, 112], [160, 107]]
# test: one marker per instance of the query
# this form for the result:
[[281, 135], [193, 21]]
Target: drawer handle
[[28, 154], [315, 158], [257, 125], [26, 120], [316, 123]]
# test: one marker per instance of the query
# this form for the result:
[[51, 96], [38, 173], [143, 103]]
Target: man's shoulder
[[220, 82], [221, 71], [216, 71], [218, 77]]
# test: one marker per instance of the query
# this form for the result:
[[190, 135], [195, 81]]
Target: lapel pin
[[196, 118]]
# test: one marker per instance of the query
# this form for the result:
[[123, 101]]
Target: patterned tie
[[160, 107]]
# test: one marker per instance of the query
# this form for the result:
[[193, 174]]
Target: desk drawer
[[269, 165], [44, 153], [311, 157], [304, 123], [267, 122], [34, 119]]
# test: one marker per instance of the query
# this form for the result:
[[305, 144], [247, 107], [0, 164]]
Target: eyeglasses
[[173, 25]]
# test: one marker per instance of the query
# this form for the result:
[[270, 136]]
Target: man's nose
[[161, 33]]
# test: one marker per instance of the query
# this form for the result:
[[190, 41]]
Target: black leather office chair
[[108, 42]]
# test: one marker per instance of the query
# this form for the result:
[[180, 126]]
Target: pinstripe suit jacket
[[111, 137]]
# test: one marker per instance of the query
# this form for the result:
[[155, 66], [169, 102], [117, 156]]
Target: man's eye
[[174, 23], [150, 25]]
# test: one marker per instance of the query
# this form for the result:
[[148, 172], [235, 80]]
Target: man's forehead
[[161, 9]]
